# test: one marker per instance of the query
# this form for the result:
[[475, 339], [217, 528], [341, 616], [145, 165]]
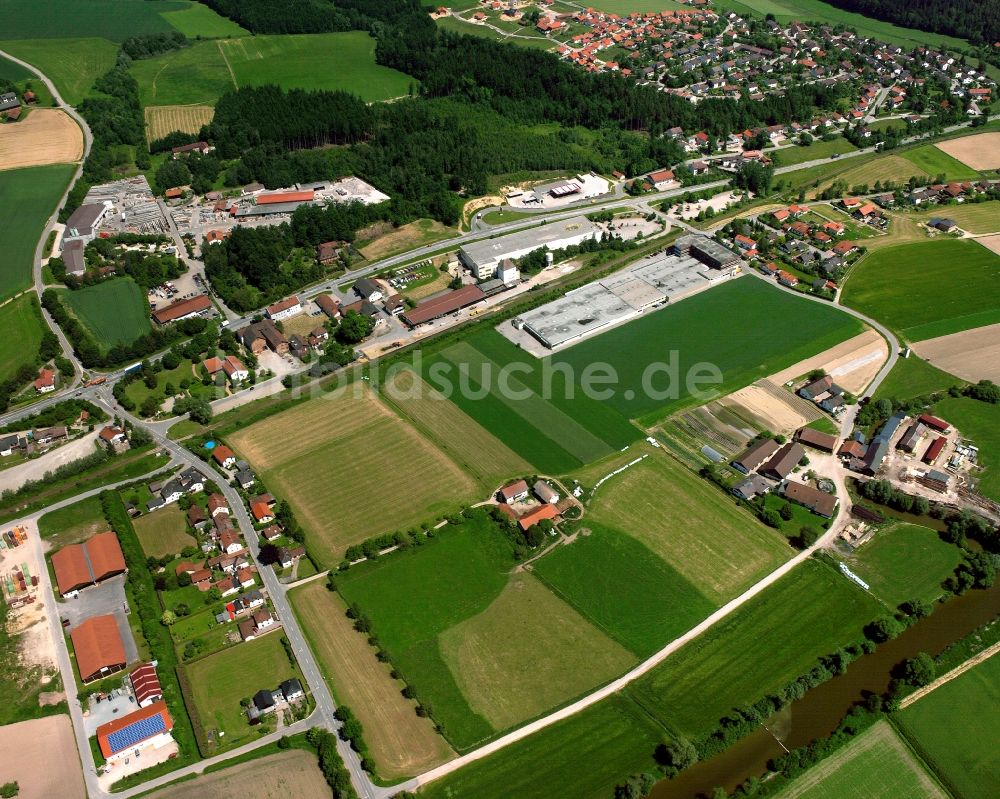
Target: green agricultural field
[[357, 447], [110, 19], [972, 217], [12, 71], [980, 422], [875, 765], [27, 199], [700, 532], [756, 650], [955, 729], [914, 377], [905, 562], [623, 588], [626, 7], [74, 523], [163, 532], [72, 64], [583, 757], [818, 149], [199, 21], [218, 683], [203, 72], [114, 311], [23, 317], [928, 289], [936, 162]]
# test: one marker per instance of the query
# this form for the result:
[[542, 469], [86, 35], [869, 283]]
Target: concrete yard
[[107, 598]]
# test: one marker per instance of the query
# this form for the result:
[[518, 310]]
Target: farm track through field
[[958, 671], [229, 66]]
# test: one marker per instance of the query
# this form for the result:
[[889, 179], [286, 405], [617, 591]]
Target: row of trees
[[975, 20]]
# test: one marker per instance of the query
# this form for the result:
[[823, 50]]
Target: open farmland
[[928, 289], [701, 533], [885, 168], [199, 21], [875, 765], [469, 445], [934, 161], [623, 588], [279, 776], [164, 119], [111, 19], [905, 562], [27, 199], [980, 422], [625, 7], [114, 311], [955, 729], [412, 597], [818, 149], [45, 136], [21, 314], [218, 682], [203, 72], [773, 638], [30, 744], [328, 455], [583, 757], [12, 71], [972, 355], [912, 377], [401, 742], [976, 218], [163, 532], [981, 151], [72, 64], [510, 659]]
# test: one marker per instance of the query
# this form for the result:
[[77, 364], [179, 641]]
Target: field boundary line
[[232, 75], [923, 757], [958, 671]]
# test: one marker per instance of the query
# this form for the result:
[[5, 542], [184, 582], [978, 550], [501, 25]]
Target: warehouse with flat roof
[[483, 257]]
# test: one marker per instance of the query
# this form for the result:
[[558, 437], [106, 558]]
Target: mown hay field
[[401, 742], [164, 119], [351, 469], [44, 136], [163, 532]]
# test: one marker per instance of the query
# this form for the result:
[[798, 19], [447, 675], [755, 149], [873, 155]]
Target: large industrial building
[[653, 281], [483, 257]]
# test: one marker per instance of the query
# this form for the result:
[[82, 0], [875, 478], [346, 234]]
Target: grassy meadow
[[771, 639], [953, 730], [972, 217], [115, 312], [913, 377], [927, 289], [818, 149], [73, 64], [935, 161], [27, 199], [23, 316], [163, 532], [351, 469], [74, 523], [199, 21]]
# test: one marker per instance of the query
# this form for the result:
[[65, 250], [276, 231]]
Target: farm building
[[72, 255], [442, 305], [879, 447], [145, 684], [753, 486], [933, 422], [535, 515], [934, 450], [98, 647], [816, 439], [146, 727], [911, 438], [262, 335], [183, 309], [545, 492], [329, 305], [483, 257], [817, 501], [783, 461], [78, 566], [756, 456]]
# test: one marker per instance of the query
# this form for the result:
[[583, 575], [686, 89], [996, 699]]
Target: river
[[819, 712]]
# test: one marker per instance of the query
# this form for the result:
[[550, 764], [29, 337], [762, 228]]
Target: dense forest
[[975, 20], [315, 16]]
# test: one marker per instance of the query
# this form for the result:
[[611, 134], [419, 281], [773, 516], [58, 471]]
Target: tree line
[[975, 20]]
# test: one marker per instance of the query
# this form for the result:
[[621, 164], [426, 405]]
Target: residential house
[[514, 492], [261, 512], [817, 501], [368, 290], [224, 456], [753, 486], [46, 381]]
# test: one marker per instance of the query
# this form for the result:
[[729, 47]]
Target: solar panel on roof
[[136, 732]]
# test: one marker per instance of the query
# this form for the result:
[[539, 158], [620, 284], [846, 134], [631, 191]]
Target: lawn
[[714, 544], [470, 446], [351, 468], [218, 683], [972, 217], [818, 149], [623, 588], [412, 597], [204, 71], [72, 64], [23, 316], [401, 742], [583, 757], [955, 729], [756, 650], [980, 422], [114, 311], [137, 390], [503, 217], [27, 199], [905, 562], [199, 21], [935, 162], [928, 289], [163, 532], [74, 523], [874, 765], [914, 377]]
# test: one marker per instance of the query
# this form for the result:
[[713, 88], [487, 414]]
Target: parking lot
[[101, 600]]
